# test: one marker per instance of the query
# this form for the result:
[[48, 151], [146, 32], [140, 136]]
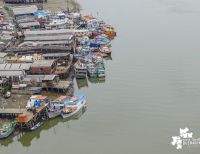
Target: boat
[[73, 105], [80, 70], [7, 129], [91, 70], [100, 70], [56, 106], [36, 126], [106, 50], [101, 54]]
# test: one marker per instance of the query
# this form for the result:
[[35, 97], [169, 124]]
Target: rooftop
[[15, 66], [10, 73], [29, 24], [21, 10], [2, 54], [43, 63], [48, 38], [56, 55]]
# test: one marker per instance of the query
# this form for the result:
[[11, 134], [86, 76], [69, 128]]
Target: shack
[[43, 67]]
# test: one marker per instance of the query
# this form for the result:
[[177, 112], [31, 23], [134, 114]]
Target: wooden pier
[[31, 117]]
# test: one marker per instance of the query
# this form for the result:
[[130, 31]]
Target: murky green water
[[151, 90]]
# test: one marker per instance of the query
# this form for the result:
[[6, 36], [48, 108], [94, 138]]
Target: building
[[24, 10], [43, 67], [58, 37], [39, 80], [24, 1], [3, 57], [14, 72]]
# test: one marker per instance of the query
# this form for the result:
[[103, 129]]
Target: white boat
[[36, 126], [56, 106], [73, 106]]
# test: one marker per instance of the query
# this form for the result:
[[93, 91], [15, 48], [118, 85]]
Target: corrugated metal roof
[[8, 66], [55, 54], [29, 24], [52, 42], [49, 77], [48, 38], [2, 54], [7, 73], [20, 10], [39, 78], [43, 63]]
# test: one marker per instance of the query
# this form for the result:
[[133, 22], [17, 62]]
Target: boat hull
[[53, 114], [68, 115], [7, 134]]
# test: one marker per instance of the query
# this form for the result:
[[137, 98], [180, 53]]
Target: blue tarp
[[37, 103], [40, 13], [94, 45]]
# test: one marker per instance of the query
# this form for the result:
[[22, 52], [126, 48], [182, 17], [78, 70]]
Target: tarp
[[40, 13]]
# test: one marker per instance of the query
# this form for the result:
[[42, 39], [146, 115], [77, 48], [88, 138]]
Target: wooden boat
[[80, 70], [100, 54], [7, 130], [36, 126], [91, 70], [106, 50], [100, 70], [73, 106], [56, 106]]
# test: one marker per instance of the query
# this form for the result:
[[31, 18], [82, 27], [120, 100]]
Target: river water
[[152, 87]]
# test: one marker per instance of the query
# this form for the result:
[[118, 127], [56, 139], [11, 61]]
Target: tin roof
[[13, 67], [43, 63], [48, 38], [8, 73], [55, 55], [2, 54], [21, 10]]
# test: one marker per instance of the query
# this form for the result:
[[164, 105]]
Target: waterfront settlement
[[44, 51]]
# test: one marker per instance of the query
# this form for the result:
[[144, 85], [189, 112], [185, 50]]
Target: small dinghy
[[36, 126]]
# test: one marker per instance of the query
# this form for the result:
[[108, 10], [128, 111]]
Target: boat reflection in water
[[25, 138], [108, 58], [97, 80], [82, 83]]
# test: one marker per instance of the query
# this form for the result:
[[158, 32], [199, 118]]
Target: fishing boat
[[106, 50], [36, 126], [56, 106], [91, 70], [7, 129], [80, 70], [73, 105], [100, 70]]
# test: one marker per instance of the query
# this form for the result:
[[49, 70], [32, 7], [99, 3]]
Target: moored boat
[[7, 129], [80, 70], [36, 126], [56, 106], [73, 105], [91, 70]]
